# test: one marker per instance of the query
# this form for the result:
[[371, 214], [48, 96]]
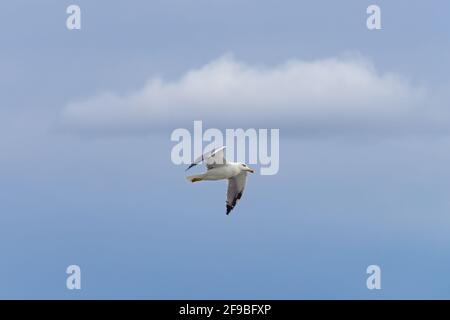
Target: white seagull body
[[219, 169]]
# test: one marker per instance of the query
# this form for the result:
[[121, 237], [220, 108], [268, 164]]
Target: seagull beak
[[251, 170]]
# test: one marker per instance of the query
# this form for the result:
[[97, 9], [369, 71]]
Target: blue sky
[[363, 179]]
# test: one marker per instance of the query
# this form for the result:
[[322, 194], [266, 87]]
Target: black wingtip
[[229, 208]]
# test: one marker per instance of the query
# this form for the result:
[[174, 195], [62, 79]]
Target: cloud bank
[[335, 95]]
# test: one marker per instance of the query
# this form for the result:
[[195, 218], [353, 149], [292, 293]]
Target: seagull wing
[[212, 159], [236, 187]]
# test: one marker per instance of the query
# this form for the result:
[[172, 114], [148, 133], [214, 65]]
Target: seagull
[[218, 168]]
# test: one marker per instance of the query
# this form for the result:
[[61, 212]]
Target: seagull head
[[244, 167]]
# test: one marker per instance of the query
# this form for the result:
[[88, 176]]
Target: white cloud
[[322, 96]]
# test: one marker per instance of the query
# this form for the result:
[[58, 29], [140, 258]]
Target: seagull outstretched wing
[[236, 187], [212, 159]]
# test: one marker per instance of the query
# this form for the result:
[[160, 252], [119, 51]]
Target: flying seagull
[[219, 168]]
